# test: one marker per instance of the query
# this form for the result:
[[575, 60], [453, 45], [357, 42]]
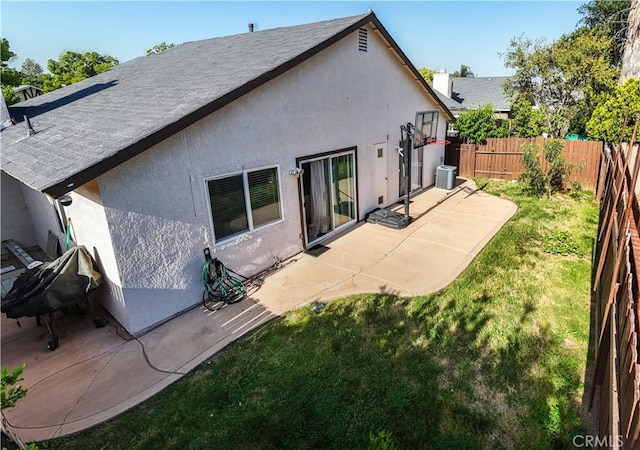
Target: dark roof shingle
[[472, 92], [89, 127]]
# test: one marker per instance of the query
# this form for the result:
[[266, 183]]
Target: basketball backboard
[[426, 127]]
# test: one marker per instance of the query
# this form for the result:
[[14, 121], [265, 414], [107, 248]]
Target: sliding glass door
[[329, 194]]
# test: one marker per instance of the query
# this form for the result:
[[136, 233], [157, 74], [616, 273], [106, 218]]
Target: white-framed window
[[244, 201]]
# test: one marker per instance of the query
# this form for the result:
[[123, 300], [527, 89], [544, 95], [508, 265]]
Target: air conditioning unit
[[446, 177]]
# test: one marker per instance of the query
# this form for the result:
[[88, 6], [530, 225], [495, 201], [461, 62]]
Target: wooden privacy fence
[[502, 158], [615, 391]]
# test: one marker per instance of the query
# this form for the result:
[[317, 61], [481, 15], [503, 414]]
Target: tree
[[32, 73], [608, 117], [565, 79], [476, 125], [5, 53], [527, 121], [427, 74], [162, 46], [72, 67], [10, 96], [10, 77], [610, 18], [631, 54], [30, 68], [465, 71]]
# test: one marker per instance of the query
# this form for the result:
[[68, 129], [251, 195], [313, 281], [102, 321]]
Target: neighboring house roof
[[472, 92], [450, 103], [85, 129], [24, 87]]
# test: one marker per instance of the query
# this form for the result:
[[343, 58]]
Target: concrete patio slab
[[97, 374]]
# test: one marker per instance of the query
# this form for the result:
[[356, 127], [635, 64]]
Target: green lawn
[[495, 360]]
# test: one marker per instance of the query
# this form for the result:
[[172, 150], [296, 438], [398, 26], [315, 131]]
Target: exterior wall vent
[[362, 39]]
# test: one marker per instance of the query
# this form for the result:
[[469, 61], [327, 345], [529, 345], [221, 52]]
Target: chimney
[[442, 82], [250, 28]]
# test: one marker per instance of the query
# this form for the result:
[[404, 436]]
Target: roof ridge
[[266, 30]]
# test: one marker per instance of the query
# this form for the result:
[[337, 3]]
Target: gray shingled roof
[[87, 128], [449, 102], [474, 92]]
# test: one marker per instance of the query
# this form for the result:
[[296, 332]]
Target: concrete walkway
[[97, 374]]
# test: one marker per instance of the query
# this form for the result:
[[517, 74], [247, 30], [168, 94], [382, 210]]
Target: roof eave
[[412, 68], [70, 183], [63, 187]]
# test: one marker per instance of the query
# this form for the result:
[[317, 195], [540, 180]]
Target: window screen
[[264, 195], [228, 206], [244, 202]]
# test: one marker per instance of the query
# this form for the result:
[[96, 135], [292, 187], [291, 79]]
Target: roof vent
[[362, 39], [30, 130], [250, 28]]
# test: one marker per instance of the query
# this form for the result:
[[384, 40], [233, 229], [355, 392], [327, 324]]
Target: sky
[[434, 34]]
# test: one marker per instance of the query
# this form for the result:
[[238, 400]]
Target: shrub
[[538, 182], [477, 125], [558, 170], [10, 394], [608, 117], [532, 175], [381, 441]]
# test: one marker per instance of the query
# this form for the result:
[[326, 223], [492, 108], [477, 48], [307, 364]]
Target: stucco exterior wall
[[89, 225], [43, 216], [156, 203], [16, 223], [89, 228]]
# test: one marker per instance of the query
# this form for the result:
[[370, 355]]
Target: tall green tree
[[427, 74], [32, 73], [610, 18], [565, 79], [8, 77], [5, 52], [465, 71], [30, 68], [161, 47], [72, 67], [608, 118]]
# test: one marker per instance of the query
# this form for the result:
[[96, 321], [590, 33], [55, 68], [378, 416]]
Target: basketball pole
[[407, 148]]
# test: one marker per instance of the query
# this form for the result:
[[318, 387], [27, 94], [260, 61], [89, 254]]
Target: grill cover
[[53, 285]]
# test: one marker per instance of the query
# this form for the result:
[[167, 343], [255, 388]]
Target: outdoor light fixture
[[66, 200], [296, 172]]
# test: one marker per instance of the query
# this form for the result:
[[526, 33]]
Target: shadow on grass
[[364, 364], [472, 366]]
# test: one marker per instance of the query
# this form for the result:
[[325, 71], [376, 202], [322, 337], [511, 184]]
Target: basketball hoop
[[438, 142], [419, 139]]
